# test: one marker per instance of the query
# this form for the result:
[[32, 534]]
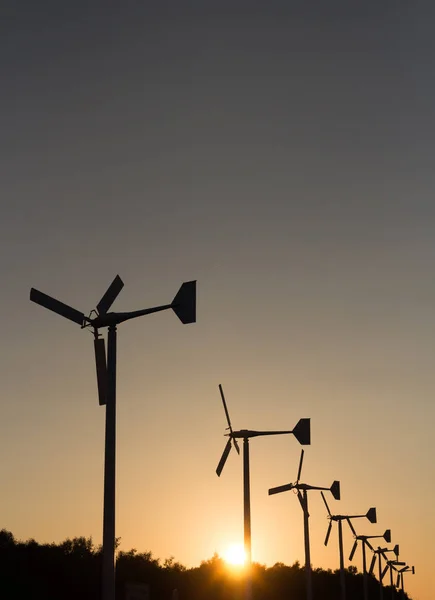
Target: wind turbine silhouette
[[370, 515], [302, 493], [399, 582], [364, 539], [301, 433], [184, 306], [378, 554]]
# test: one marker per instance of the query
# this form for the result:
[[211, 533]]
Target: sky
[[279, 154]]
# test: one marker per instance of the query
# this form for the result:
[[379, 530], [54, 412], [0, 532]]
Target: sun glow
[[235, 555]]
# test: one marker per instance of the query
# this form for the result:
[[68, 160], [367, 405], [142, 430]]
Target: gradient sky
[[278, 153]]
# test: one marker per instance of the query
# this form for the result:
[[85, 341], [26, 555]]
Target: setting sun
[[235, 555]]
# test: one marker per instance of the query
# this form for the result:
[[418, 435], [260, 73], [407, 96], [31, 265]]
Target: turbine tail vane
[[302, 432], [184, 303], [371, 515], [335, 490]]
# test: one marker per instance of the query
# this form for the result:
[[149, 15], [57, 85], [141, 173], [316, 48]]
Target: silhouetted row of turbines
[[381, 555], [184, 306]]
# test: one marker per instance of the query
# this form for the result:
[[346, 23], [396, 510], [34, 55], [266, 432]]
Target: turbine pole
[[307, 547], [365, 580], [247, 518], [340, 545], [393, 594], [381, 592], [108, 574]]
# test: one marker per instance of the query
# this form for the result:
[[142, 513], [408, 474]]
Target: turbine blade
[[335, 490], [352, 528], [110, 296], [372, 564], [371, 515], [184, 303], [328, 533], [398, 580], [101, 367], [280, 488], [300, 466], [301, 501], [236, 445], [384, 572], [302, 432], [56, 306], [225, 408], [326, 504], [224, 457], [352, 552], [369, 545], [387, 536]]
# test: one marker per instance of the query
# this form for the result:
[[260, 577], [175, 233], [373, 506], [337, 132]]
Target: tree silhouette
[[71, 570]]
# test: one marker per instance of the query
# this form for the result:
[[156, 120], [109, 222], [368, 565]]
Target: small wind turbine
[[302, 493], [301, 433], [399, 582], [184, 306], [370, 515], [364, 539], [378, 554]]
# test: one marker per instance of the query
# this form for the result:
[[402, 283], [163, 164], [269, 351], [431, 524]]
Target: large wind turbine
[[301, 433], [184, 306], [302, 493], [370, 515]]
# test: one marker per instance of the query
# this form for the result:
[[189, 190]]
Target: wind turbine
[[406, 569], [370, 515], [378, 554], [184, 306], [364, 539], [302, 493], [302, 433]]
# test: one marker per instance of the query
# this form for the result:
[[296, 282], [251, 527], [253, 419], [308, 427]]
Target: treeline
[[71, 570]]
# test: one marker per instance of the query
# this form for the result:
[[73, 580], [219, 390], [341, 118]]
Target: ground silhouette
[[71, 570]]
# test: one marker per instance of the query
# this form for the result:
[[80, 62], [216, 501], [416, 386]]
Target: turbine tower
[[302, 493], [184, 306], [370, 515], [364, 539], [301, 433]]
